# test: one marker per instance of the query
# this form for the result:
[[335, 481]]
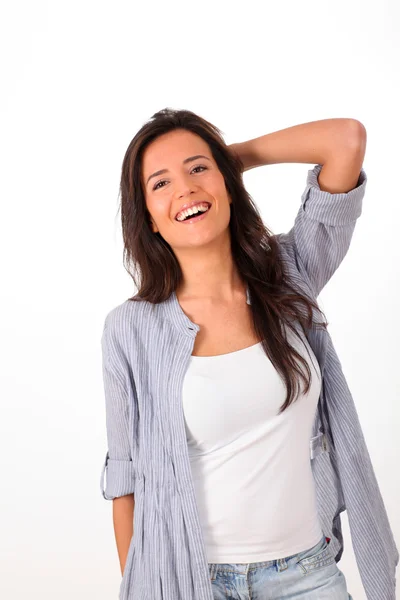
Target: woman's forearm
[[315, 143], [123, 509]]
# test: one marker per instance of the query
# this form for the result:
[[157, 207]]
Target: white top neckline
[[228, 353]]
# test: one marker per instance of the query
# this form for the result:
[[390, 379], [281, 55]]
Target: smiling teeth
[[191, 211]]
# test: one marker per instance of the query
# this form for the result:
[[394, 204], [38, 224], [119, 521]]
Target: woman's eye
[[163, 180]]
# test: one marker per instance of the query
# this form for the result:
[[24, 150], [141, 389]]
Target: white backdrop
[[78, 80]]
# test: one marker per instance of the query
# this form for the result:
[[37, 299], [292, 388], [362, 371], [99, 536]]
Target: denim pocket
[[316, 557]]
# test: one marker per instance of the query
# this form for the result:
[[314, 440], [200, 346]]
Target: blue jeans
[[309, 575]]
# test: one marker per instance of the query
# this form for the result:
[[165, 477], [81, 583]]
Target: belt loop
[[213, 567], [281, 564]]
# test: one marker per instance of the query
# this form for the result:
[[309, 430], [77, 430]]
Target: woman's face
[[197, 180]]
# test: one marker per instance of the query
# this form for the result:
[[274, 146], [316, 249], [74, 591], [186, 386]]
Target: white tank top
[[251, 467]]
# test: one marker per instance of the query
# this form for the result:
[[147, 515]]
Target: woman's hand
[[238, 150]]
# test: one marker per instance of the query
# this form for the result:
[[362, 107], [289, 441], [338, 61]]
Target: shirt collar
[[181, 320]]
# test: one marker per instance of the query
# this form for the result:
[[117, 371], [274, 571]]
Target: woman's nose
[[185, 186]]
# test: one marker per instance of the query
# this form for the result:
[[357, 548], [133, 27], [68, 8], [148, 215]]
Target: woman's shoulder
[[133, 313]]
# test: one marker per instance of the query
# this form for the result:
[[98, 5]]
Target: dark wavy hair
[[155, 270]]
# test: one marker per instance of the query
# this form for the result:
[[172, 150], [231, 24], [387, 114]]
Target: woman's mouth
[[196, 217]]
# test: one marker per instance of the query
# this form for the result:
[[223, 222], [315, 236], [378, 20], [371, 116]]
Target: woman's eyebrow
[[189, 159]]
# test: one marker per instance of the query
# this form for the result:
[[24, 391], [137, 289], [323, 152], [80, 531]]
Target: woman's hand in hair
[[239, 151]]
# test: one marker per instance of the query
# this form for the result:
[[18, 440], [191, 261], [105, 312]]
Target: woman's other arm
[[119, 465]]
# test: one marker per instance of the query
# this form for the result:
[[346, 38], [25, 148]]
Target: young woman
[[215, 369]]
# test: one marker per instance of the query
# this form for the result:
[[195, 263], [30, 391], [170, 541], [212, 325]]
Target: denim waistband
[[280, 563]]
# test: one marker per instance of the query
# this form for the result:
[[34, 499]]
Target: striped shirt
[[146, 351]]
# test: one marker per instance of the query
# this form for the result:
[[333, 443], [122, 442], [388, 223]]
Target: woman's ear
[[153, 226]]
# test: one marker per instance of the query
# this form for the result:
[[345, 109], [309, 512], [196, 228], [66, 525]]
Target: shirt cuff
[[120, 478], [330, 208]]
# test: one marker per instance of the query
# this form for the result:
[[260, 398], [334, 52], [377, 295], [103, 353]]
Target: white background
[[78, 80]]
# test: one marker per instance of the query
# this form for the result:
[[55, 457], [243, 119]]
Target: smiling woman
[[225, 398], [193, 178], [197, 167]]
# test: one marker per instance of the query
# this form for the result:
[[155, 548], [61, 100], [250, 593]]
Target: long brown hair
[[153, 266]]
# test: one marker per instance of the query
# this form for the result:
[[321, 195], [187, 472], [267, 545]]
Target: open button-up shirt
[[146, 350]]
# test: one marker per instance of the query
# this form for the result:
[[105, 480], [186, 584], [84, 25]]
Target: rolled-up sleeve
[[323, 228], [118, 466]]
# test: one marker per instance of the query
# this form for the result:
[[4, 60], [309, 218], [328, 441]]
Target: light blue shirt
[[146, 350]]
